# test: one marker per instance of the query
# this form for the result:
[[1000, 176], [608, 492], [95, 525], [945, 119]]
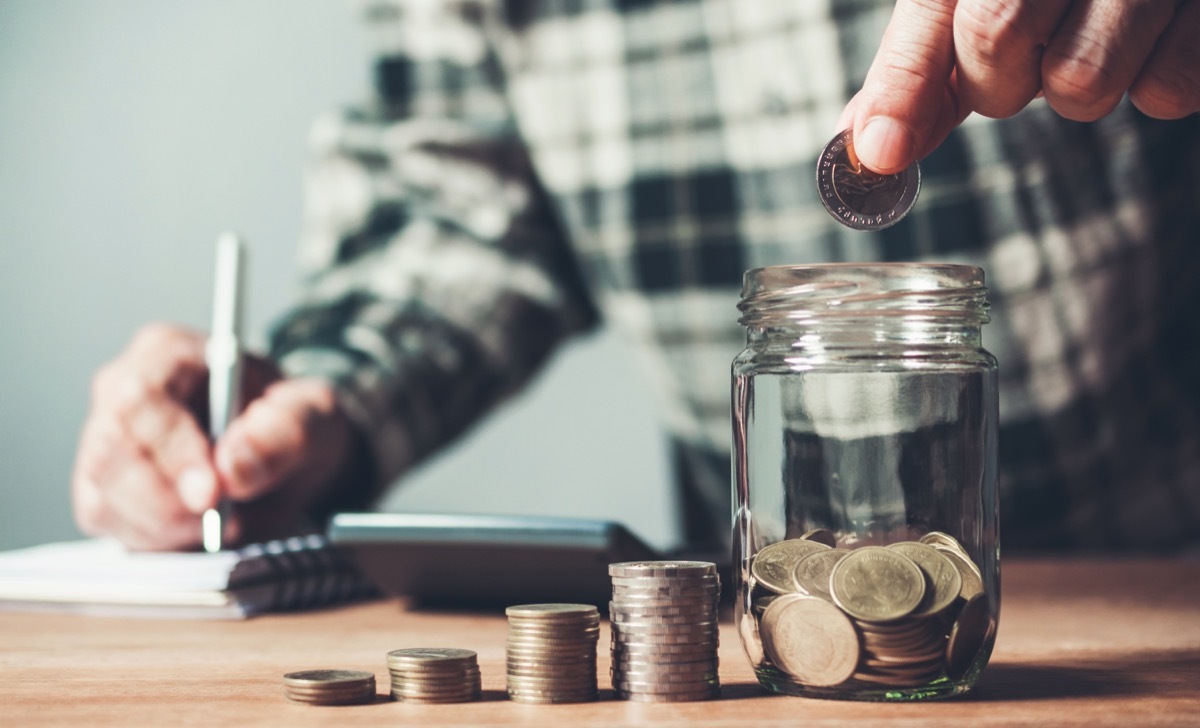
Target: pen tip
[[210, 530]]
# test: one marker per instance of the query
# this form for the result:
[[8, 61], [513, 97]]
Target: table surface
[[1080, 642]]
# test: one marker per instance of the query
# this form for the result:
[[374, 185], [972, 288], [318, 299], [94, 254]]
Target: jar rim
[[855, 290]]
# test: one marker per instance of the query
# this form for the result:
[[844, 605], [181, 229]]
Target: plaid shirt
[[529, 168]]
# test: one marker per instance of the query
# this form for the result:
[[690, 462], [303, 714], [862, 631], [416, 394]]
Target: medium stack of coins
[[434, 675], [551, 652], [899, 616], [329, 687], [664, 618]]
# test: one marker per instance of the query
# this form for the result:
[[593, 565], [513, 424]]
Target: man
[[528, 168]]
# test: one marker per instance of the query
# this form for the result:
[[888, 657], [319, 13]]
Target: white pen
[[223, 355]]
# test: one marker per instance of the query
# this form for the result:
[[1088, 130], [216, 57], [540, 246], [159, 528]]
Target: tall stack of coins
[[329, 687], [664, 630], [551, 652], [434, 675], [897, 616]]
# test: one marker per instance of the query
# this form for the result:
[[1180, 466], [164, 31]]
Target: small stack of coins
[[900, 616], [330, 687], [664, 617], [551, 652], [434, 675]]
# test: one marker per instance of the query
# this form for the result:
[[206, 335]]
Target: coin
[[666, 593], [708, 693], [327, 678], [329, 687], [633, 670], [972, 580], [944, 581], [552, 611], [877, 585], [967, 636], [666, 678], [668, 581], [892, 679], [941, 538], [657, 654], [552, 699], [662, 568], [666, 609], [675, 628], [774, 565], [762, 603], [811, 640], [665, 688], [434, 701], [856, 196], [424, 690], [811, 575], [432, 657], [822, 536]]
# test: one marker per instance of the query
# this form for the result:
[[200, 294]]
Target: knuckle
[[986, 30], [99, 449], [102, 381], [154, 334], [1079, 87], [129, 392], [908, 67], [88, 508], [1168, 93], [89, 521], [165, 349]]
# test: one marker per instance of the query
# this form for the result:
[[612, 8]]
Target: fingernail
[[885, 145], [197, 489]]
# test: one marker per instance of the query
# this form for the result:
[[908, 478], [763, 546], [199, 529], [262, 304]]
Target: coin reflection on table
[[856, 196]]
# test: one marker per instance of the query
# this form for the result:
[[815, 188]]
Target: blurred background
[[131, 133]]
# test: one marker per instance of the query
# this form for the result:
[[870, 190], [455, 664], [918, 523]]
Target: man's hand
[[942, 59], [145, 470]]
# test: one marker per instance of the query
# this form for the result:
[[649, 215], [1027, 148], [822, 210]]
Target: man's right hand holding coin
[[940, 60], [146, 471]]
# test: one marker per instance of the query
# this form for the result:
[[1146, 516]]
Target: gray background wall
[[131, 132]]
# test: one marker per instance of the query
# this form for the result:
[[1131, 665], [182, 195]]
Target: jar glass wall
[[866, 535]]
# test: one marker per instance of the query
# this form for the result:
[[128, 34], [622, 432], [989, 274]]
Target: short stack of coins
[[434, 675], [330, 687], [895, 616], [551, 653], [664, 618]]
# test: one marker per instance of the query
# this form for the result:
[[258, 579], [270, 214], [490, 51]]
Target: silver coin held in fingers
[[858, 197]]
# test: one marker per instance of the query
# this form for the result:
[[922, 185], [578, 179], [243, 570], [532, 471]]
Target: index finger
[[904, 101]]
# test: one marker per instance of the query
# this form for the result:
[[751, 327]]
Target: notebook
[[99, 576]]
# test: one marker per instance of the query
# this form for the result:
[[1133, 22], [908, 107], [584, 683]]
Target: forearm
[[438, 280]]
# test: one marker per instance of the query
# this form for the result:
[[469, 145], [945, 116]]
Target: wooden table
[[1081, 642]]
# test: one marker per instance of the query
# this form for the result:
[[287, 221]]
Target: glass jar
[[866, 535]]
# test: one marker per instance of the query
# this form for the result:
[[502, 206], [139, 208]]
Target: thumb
[[278, 435], [260, 448], [908, 103]]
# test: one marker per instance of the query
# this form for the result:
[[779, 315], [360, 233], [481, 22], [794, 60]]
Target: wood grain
[[1081, 642]]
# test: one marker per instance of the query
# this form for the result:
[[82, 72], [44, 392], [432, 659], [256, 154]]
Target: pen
[[224, 358]]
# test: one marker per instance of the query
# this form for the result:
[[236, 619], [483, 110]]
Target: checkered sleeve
[[437, 279]]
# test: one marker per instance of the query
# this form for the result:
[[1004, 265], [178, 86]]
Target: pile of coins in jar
[[901, 615]]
